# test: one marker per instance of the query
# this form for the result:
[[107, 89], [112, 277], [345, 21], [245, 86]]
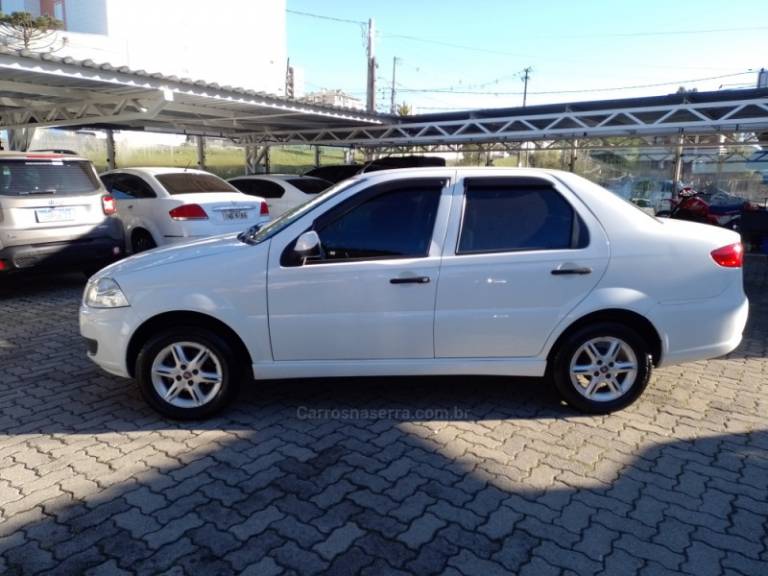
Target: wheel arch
[[638, 322], [183, 318]]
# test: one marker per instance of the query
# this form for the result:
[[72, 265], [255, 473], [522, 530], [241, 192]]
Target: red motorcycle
[[690, 205]]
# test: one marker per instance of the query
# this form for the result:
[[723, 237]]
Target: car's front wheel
[[602, 368], [187, 373]]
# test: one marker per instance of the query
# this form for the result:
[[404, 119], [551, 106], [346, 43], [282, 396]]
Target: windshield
[[25, 177], [258, 233], [193, 182]]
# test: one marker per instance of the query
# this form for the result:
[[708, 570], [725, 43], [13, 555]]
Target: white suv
[[425, 271]]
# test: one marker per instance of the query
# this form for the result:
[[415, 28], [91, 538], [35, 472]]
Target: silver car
[[55, 213]]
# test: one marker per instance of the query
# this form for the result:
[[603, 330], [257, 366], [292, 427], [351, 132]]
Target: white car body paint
[[152, 214], [480, 314]]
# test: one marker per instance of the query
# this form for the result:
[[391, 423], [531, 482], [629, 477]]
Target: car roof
[[16, 155], [156, 170], [280, 177]]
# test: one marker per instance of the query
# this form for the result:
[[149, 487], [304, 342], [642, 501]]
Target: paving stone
[[93, 482], [421, 530], [339, 541]]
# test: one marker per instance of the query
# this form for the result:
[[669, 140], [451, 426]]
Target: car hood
[[195, 250]]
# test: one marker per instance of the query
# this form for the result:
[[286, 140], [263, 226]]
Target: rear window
[[29, 177], [191, 183], [310, 185]]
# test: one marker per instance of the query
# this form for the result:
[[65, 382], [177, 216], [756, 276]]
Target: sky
[[480, 47]]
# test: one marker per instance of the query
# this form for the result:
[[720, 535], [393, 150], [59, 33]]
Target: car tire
[[141, 241], [602, 368], [181, 385]]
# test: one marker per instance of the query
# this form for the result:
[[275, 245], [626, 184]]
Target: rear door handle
[[410, 280], [575, 270]]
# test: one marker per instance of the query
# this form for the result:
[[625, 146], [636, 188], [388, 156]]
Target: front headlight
[[105, 293]]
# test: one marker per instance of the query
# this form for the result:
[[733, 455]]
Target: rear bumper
[[85, 251], [700, 329]]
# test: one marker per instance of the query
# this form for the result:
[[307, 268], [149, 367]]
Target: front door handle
[[574, 270], [410, 280]]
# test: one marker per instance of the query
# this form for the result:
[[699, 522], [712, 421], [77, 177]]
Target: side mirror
[[308, 244]]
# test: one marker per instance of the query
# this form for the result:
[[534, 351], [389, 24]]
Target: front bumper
[[107, 332]]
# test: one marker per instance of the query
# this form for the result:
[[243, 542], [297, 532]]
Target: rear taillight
[[731, 256], [264, 211], [108, 205], [188, 212], [3, 265]]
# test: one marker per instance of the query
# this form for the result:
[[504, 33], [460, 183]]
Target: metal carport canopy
[[44, 90]]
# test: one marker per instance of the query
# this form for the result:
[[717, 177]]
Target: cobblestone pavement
[[450, 476]]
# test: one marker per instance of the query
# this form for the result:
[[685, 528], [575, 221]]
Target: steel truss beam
[[698, 141], [100, 110], [738, 115]]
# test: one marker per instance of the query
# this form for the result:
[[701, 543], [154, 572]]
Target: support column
[[111, 150], [251, 160], [677, 170], [200, 152], [317, 156], [572, 159], [20, 138], [349, 155], [256, 159]]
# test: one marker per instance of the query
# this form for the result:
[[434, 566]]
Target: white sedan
[[167, 205], [425, 271], [281, 191]]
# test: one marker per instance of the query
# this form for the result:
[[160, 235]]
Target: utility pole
[[392, 106], [371, 85], [526, 77]]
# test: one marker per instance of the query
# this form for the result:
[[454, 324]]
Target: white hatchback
[[513, 272], [161, 206]]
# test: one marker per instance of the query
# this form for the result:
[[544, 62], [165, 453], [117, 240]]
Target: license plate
[[54, 214], [234, 214]]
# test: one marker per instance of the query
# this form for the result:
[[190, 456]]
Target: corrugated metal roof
[[44, 89]]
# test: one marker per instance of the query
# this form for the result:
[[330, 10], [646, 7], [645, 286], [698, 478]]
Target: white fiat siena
[[472, 271]]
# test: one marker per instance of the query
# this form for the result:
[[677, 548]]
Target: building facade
[[238, 43]]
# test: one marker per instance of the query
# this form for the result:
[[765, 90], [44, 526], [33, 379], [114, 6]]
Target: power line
[[664, 33], [323, 17], [498, 52], [517, 93]]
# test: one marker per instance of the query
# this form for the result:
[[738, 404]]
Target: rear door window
[[258, 187], [310, 185], [52, 177], [192, 183], [128, 186], [509, 215]]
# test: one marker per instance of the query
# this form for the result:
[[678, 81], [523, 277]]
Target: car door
[[371, 294], [521, 253], [134, 201]]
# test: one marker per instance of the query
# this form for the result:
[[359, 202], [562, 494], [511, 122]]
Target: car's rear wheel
[[187, 373], [602, 368], [141, 241]]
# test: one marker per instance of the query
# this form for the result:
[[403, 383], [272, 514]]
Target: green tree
[[403, 109], [21, 30]]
